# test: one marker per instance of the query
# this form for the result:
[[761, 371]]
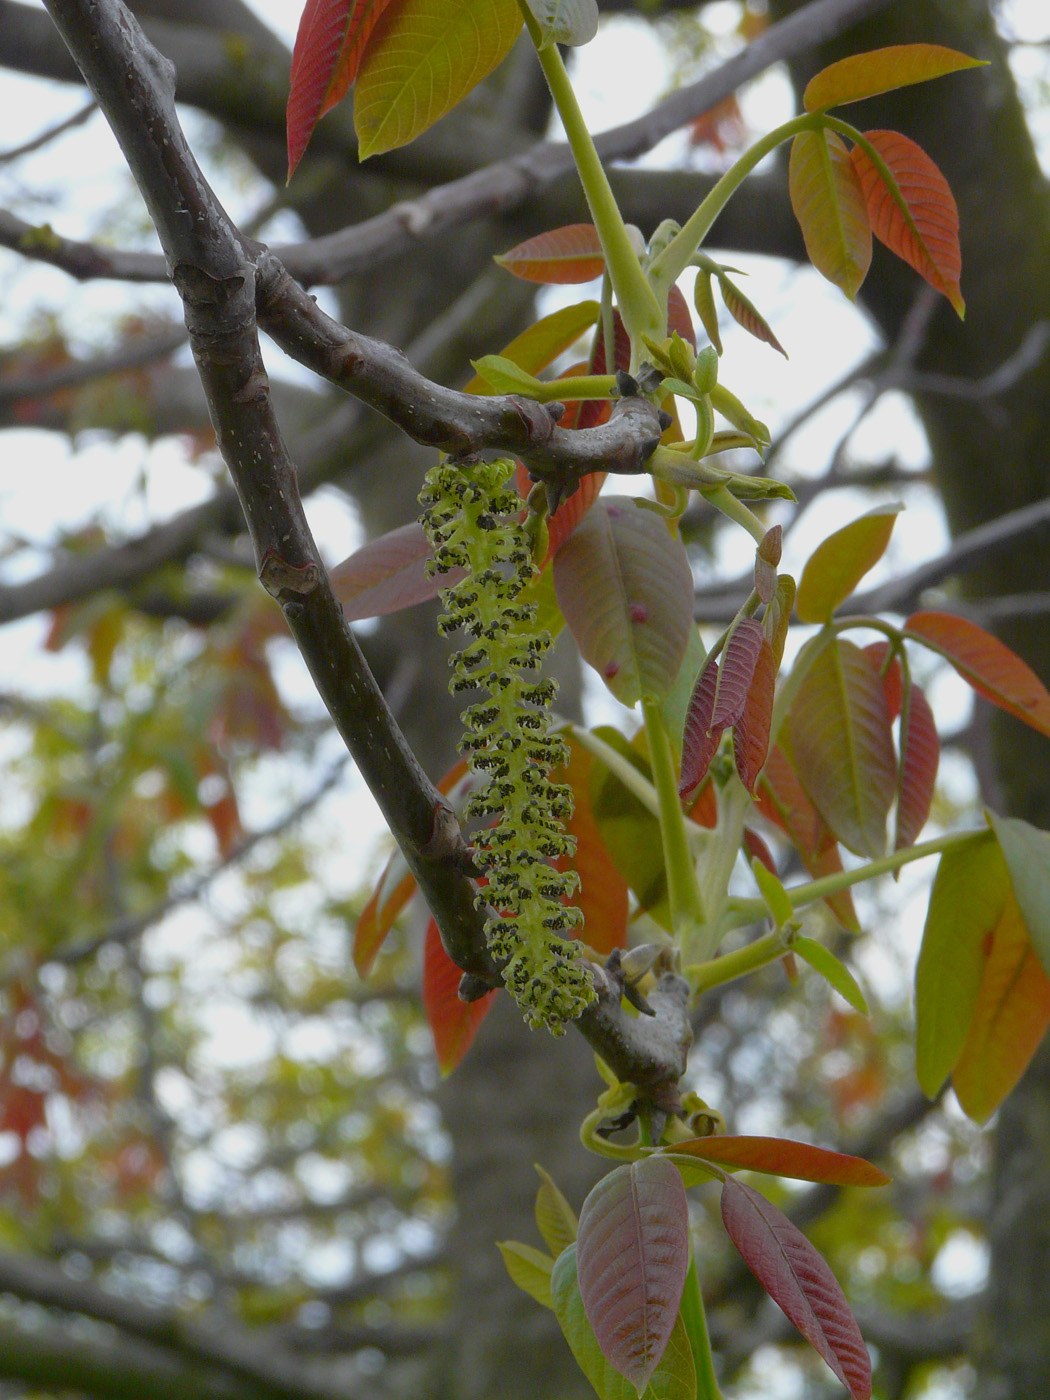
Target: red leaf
[[632, 1254], [757, 849], [453, 1023], [986, 664], [736, 672], [327, 54], [388, 574], [572, 510], [780, 1157], [799, 1282], [751, 731], [920, 754], [892, 679], [392, 894], [704, 808], [700, 741], [678, 317], [562, 255], [925, 232]]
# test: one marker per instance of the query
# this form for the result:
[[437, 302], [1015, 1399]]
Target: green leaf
[[503, 376], [1026, 851], [631, 832], [842, 748], [830, 208], [969, 893], [834, 972], [881, 70], [529, 1268], [839, 563], [555, 1218], [675, 1374], [422, 59], [704, 301], [626, 589], [565, 21]]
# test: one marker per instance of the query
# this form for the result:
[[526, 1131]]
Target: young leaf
[[1026, 851], [781, 1157], [675, 1374], [989, 666], [746, 314], [842, 748], [675, 703], [389, 573], [920, 755], [839, 563], [565, 21], [569, 254], [829, 206], [700, 741], [916, 217], [799, 1282], [571, 511], [834, 972], [625, 587], [453, 1023], [704, 301], [751, 731], [882, 70], [1010, 1017], [678, 317], [632, 1253], [969, 894], [529, 1268], [555, 1218], [328, 47], [423, 59], [542, 343], [739, 659], [777, 617]]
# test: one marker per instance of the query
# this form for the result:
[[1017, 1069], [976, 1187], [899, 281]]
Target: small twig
[[51, 133]]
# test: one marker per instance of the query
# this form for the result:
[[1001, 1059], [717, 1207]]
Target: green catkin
[[472, 521]]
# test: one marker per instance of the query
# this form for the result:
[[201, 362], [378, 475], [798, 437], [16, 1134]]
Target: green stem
[[639, 307], [763, 951], [733, 509], [687, 907], [801, 895], [669, 265], [581, 386], [695, 1322], [634, 781]]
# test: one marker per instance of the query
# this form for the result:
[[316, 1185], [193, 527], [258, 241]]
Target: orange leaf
[[892, 677], [327, 54], [453, 1023], [781, 1157], [916, 216], [602, 896], [882, 70], [986, 664], [569, 254], [1009, 1020]]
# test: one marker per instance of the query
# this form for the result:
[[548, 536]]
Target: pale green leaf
[[834, 972], [1027, 853], [529, 1268], [830, 208]]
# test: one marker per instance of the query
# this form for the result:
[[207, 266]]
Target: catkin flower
[[471, 519]]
